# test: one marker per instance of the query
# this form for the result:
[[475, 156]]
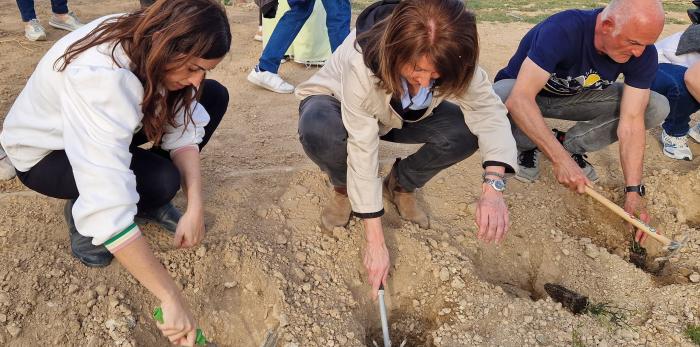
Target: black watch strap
[[640, 189]]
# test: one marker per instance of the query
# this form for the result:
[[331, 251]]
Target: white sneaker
[[270, 81], [33, 31], [676, 147], [7, 170], [70, 22], [258, 35], [694, 133]]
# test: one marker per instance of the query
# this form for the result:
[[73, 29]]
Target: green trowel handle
[[199, 340]]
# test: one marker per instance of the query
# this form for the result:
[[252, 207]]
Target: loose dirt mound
[[266, 272]]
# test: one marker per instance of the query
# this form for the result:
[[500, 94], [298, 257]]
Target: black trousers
[[157, 178]]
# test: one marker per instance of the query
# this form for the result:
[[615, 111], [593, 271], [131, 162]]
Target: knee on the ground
[[656, 111]]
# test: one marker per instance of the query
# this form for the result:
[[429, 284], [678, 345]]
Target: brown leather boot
[[337, 212], [405, 201]]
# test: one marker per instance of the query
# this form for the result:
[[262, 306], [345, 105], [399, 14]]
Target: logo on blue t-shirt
[[574, 85]]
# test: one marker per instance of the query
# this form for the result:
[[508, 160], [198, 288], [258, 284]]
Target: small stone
[[72, 289], [444, 274], [694, 277], [284, 320], [591, 251], [566, 252], [342, 340], [13, 330], [231, 284], [527, 319], [101, 289], [280, 239], [306, 287], [201, 251], [457, 283], [672, 319], [300, 257]]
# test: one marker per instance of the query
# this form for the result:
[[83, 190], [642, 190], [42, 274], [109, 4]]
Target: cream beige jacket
[[367, 115]]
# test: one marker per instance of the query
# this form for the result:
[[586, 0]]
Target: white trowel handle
[[382, 314]]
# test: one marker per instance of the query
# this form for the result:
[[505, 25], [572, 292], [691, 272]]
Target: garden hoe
[[671, 246]]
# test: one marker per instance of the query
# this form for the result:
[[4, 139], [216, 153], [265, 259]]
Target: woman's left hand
[[491, 216], [190, 229]]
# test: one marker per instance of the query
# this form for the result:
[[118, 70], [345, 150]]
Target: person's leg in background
[[33, 30], [670, 83], [62, 18], [265, 73], [338, 13]]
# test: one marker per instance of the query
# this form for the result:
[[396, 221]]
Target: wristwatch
[[640, 189], [498, 184]]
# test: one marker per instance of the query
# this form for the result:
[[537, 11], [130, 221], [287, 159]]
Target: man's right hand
[[376, 258], [569, 174]]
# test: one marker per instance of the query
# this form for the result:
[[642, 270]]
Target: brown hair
[[442, 30], [170, 31]]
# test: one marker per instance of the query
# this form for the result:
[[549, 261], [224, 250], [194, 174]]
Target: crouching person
[[98, 94], [389, 81]]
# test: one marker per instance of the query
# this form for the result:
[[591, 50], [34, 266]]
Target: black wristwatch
[[640, 189]]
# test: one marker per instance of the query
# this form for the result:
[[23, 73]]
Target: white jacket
[[91, 110]]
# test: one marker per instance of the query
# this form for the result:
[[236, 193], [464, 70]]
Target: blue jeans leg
[[59, 6], [284, 34], [670, 83], [26, 10], [338, 14]]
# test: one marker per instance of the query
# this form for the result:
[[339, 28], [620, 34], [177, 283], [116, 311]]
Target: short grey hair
[[621, 11]]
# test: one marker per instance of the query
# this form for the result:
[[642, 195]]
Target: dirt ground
[[266, 272]]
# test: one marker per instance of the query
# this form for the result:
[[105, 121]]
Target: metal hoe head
[[673, 248]]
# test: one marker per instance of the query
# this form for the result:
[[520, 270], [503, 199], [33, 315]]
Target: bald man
[[566, 67]]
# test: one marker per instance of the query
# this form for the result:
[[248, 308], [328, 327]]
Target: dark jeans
[[670, 82], [445, 136], [338, 13], [157, 178], [26, 8], [596, 113]]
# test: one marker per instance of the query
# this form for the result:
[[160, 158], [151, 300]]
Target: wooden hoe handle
[[626, 216]]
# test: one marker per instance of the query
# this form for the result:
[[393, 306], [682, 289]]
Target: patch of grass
[[693, 333], [530, 11], [609, 313]]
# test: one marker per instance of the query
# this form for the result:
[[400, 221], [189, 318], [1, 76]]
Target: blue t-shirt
[[563, 46]]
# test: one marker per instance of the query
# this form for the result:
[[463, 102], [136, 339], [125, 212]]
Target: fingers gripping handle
[[199, 340]]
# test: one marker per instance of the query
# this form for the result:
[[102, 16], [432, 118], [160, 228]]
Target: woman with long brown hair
[[391, 81], [76, 132]]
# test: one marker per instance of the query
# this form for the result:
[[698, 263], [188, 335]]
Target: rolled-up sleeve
[[364, 184], [101, 110], [486, 117], [186, 134]]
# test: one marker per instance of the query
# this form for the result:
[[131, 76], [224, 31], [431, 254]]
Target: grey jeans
[[596, 112], [447, 140]]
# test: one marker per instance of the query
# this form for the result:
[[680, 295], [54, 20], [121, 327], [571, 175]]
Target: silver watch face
[[498, 185]]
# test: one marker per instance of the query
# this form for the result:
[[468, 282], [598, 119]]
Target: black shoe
[[167, 216], [81, 246]]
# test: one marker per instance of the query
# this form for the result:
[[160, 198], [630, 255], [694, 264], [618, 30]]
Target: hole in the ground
[[519, 273], [412, 328]]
